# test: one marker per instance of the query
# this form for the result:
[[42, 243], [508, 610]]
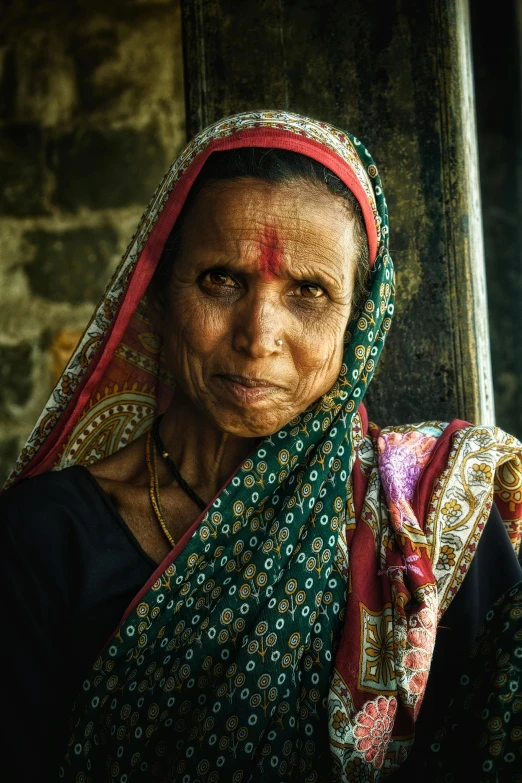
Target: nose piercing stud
[[279, 342]]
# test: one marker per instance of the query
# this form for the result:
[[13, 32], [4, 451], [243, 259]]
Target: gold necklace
[[154, 488]]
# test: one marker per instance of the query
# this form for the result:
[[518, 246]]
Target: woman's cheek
[[319, 364], [321, 336], [199, 326]]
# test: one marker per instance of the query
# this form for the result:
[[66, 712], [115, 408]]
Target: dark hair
[[276, 166]]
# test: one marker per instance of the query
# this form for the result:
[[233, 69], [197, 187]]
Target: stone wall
[[91, 116]]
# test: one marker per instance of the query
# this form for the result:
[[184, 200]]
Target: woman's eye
[[220, 279], [310, 291]]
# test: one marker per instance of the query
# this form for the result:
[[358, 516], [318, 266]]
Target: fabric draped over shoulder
[[289, 634]]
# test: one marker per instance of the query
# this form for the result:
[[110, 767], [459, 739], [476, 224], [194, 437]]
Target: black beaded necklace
[[170, 462]]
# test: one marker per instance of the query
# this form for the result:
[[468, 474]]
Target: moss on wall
[[91, 116]]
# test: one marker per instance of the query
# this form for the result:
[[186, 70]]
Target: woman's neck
[[205, 455]]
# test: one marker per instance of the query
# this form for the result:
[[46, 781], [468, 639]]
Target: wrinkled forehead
[[270, 227], [337, 154]]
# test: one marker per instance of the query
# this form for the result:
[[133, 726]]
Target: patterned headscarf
[[290, 632]]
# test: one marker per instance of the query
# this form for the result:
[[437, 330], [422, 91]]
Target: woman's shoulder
[[53, 490], [431, 447], [53, 504]]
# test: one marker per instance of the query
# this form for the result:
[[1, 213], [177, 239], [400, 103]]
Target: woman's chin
[[253, 421]]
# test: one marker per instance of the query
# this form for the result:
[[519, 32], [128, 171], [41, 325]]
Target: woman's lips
[[248, 390]]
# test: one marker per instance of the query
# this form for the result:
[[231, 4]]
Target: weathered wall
[[497, 44], [91, 115], [397, 75]]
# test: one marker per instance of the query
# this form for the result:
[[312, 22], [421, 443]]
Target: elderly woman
[[230, 572]]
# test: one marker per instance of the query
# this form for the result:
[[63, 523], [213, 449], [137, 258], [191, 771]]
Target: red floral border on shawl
[[381, 592]]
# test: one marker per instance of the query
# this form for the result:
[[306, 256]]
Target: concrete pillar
[[397, 75], [497, 48]]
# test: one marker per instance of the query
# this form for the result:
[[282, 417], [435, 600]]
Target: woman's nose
[[257, 328]]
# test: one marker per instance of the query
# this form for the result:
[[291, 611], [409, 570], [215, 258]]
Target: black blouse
[[69, 568]]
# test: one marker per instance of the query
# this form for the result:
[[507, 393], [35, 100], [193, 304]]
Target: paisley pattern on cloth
[[289, 634]]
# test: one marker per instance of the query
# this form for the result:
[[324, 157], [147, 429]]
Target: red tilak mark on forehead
[[269, 257]]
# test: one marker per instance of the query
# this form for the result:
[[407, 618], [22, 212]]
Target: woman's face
[[259, 263]]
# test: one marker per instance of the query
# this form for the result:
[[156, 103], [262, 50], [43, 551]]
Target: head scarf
[[118, 349], [289, 634]]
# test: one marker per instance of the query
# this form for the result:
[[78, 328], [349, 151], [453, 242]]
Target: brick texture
[[91, 115]]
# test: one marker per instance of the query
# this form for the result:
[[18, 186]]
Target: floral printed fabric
[[373, 729], [402, 456], [395, 642], [291, 636]]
